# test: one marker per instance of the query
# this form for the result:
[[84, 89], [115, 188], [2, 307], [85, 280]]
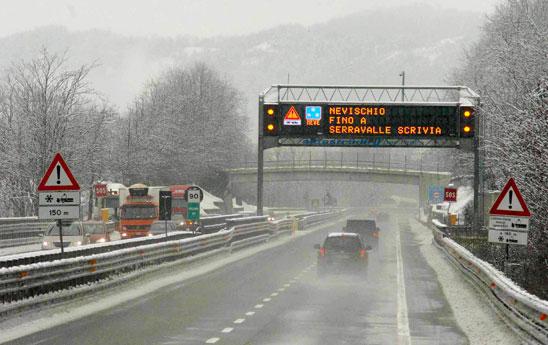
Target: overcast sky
[[191, 17]]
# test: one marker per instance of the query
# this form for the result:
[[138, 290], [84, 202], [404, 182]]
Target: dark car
[[366, 228], [342, 251], [159, 227]]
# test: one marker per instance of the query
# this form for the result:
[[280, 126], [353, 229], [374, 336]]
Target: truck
[[139, 209], [366, 228]]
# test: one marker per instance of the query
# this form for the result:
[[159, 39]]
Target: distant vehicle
[[73, 235], [139, 210], [342, 251], [159, 227], [98, 232], [366, 228]]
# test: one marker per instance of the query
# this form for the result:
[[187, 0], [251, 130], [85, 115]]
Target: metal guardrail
[[523, 312], [208, 225], [31, 280], [21, 231]]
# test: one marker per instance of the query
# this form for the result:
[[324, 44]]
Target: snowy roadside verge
[[473, 314], [165, 275]]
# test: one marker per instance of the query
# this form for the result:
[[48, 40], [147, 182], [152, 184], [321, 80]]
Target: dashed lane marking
[[266, 299], [259, 306], [239, 321], [281, 289], [227, 330], [250, 313], [287, 285], [274, 294], [212, 340]]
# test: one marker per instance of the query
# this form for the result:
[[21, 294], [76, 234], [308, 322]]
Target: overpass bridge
[[286, 175]]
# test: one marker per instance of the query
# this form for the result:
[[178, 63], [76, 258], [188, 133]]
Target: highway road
[[275, 297]]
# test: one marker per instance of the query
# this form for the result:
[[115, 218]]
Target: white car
[[73, 236]]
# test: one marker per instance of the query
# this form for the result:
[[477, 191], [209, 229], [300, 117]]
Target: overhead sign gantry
[[367, 116]]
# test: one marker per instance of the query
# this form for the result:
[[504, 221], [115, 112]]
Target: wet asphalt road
[[275, 297]]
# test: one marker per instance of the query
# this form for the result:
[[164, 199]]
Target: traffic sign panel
[[435, 194], [194, 194], [193, 211], [58, 177], [100, 190], [292, 118], [450, 194], [510, 202], [59, 198], [509, 223], [59, 212], [508, 237]]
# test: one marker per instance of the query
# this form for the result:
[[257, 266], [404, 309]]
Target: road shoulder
[[474, 316]]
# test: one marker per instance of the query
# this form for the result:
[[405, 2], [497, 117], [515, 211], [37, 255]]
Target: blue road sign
[[435, 194], [313, 112]]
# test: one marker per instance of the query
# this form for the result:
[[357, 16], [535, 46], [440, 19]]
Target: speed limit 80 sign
[[194, 194]]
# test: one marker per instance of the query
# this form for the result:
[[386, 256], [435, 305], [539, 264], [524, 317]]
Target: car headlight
[[101, 240], [124, 234], [150, 235], [78, 243], [45, 244]]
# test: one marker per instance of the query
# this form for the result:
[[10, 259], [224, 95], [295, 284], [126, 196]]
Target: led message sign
[[362, 121]]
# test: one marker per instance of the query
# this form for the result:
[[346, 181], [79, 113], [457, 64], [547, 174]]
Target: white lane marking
[[212, 340], [274, 294], [266, 299], [287, 285], [227, 330], [404, 335], [239, 320], [250, 313], [281, 289], [258, 306]]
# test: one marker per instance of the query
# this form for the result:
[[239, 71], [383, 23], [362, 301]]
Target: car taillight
[[322, 251], [362, 253]]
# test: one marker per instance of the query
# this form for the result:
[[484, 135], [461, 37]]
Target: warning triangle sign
[[58, 176], [510, 202], [292, 117]]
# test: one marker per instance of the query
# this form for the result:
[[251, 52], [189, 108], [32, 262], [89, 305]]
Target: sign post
[[58, 195], [509, 218]]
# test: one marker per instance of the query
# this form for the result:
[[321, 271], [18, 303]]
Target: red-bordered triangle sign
[[292, 117], [58, 176], [510, 202]]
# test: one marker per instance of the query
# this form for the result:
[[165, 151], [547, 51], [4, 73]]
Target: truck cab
[[138, 211]]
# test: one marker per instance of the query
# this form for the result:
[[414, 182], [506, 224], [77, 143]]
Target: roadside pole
[[260, 160], [60, 225]]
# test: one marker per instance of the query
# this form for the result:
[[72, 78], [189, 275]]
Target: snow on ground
[[20, 249], [473, 314]]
